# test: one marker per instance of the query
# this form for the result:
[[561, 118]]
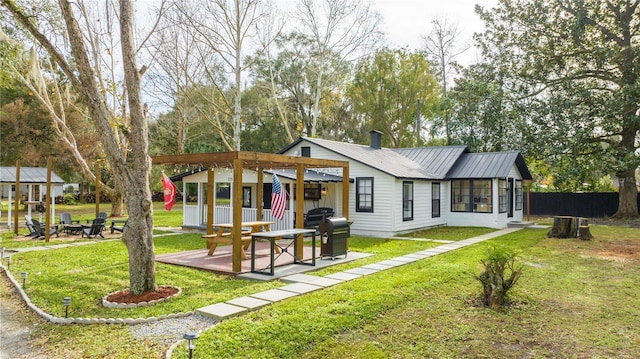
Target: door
[[510, 197]]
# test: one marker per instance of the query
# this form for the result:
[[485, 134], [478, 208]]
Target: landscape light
[[24, 276], [191, 342], [66, 301]]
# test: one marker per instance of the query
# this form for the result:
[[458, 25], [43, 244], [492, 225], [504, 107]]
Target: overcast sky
[[406, 22]]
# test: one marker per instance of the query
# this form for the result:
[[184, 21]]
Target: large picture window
[[503, 195], [471, 196], [519, 195], [364, 194], [435, 200], [407, 201]]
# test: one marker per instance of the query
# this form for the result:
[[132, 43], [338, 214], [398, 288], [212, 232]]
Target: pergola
[[239, 160]]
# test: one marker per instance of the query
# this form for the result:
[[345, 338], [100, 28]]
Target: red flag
[[170, 190], [278, 199]]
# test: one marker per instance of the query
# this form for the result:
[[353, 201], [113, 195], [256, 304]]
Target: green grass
[[572, 302]]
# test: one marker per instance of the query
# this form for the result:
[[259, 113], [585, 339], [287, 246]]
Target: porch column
[[260, 193], [236, 202], [210, 199], [299, 207]]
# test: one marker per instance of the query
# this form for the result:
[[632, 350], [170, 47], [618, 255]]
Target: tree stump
[[583, 230], [564, 227]]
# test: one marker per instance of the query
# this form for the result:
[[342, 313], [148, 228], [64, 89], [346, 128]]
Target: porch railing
[[222, 214]]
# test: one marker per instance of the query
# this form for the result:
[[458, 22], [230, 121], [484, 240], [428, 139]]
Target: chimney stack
[[376, 139]]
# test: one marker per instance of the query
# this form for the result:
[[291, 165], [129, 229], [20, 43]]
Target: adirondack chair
[[66, 222], [95, 229], [40, 229], [32, 230]]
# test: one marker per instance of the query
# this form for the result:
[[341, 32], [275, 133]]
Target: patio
[[220, 261]]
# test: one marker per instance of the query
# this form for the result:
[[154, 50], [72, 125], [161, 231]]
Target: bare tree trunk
[[117, 207], [628, 195]]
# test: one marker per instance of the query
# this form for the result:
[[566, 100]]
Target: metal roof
[[309, 175], [441, 162], [382, 159], [33, 175], [436, 160], [489, 165]]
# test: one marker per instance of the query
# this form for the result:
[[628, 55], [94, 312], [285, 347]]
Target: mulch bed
[[125, 296]]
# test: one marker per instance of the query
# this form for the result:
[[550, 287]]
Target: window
[[519, 195], [407, 201], [435, 200], [246, 197], [503, 196], [364, 194], [312, 191], [461, 196], [306, 151], [471, 196]]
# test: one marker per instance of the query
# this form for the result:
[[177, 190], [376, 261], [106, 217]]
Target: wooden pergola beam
[[239, 160]]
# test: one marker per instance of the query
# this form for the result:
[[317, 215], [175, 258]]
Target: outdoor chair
[[95, 229], [102, 215], [40, 229], [32, 230], [117, 225], [66, 222]]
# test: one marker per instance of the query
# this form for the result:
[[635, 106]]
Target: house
[[391, 191], [402, 190], [33, 188]]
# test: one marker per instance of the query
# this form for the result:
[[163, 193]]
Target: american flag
[[278, 199]]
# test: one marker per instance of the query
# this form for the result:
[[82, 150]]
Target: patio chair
[[40, 229], [32, 230], [66, 222], [102, 215], [95, 229]]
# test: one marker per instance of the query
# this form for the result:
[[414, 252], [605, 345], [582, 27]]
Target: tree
[[342, 28], [225, 27], [126, 147], [582, 54], [442, 49], [386, 89]]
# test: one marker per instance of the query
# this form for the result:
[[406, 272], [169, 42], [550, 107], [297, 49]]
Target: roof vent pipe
[[376, 139]]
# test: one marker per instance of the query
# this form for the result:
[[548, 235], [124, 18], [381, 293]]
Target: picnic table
[[224, 235]]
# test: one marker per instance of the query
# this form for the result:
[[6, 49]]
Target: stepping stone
[[344, 276], [248, 302], [404, 259], [221, 311], [416, 256], [300, 288], [377, 266], [361, 271], [392, 263], [311, 279], [274, 295]]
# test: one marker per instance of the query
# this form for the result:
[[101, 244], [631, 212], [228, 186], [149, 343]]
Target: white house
[[33, 188], [392, 191], [401, 190]]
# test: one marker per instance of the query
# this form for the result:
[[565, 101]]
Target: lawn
[[575, 299]]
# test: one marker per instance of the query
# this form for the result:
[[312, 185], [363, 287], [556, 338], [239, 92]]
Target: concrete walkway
[[304, 283]]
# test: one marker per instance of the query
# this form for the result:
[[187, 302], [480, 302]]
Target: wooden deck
[[221, 259]]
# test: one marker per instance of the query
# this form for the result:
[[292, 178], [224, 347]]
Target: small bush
[[499, 275], [69, 198]]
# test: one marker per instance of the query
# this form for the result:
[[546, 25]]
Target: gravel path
[[169, 331]]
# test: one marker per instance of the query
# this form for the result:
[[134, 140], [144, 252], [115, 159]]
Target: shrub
[[69, 198], [500, 274]]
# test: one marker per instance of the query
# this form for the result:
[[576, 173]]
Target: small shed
[[33, 189]]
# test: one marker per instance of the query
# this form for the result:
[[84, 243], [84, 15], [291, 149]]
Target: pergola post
[[16, 200], [345, 192], [237, 215], [47, 199], [98, 176]]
